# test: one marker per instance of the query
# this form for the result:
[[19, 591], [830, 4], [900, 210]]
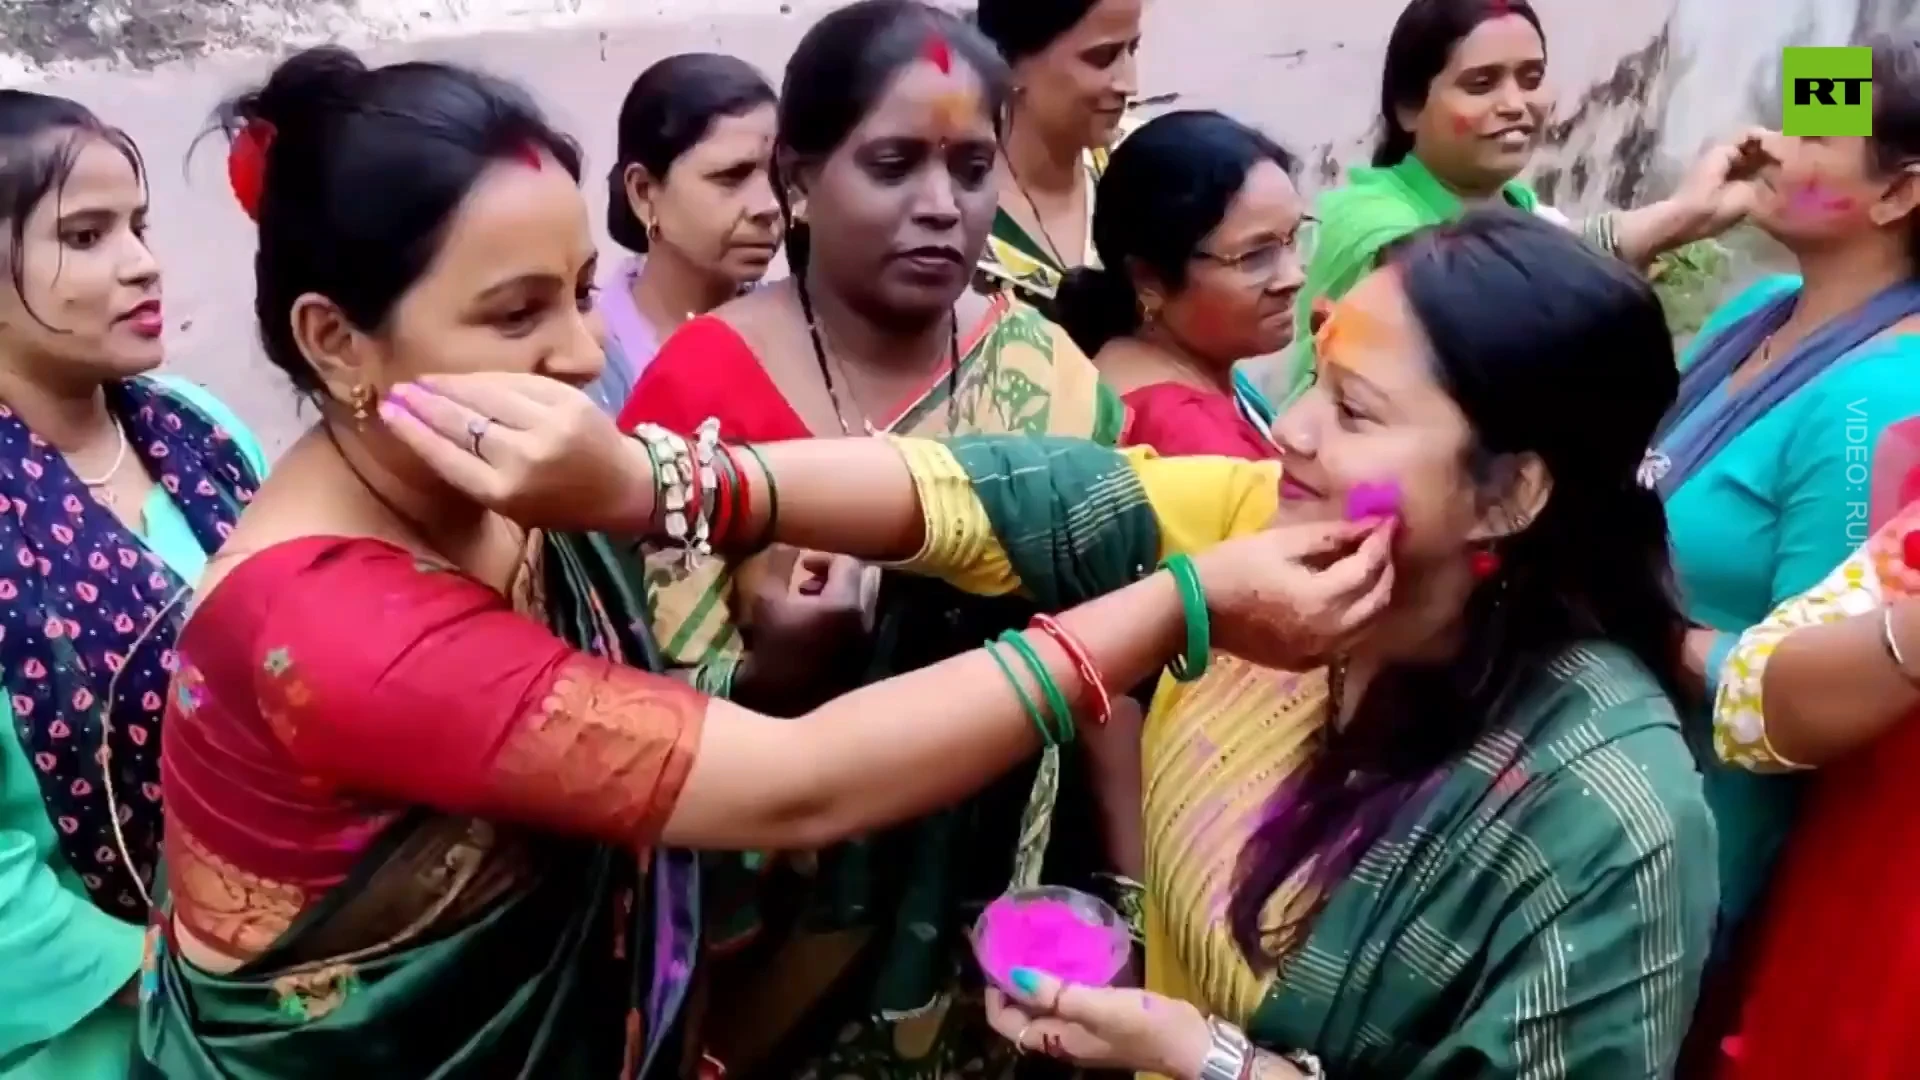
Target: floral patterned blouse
[[1872, 576]]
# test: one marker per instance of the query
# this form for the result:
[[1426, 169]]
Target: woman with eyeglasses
[[1197, 231]]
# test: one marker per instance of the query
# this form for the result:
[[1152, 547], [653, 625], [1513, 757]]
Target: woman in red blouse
[[1199, 229]]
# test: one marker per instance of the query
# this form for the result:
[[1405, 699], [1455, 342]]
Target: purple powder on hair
[[1052, 936], [1379, 499]]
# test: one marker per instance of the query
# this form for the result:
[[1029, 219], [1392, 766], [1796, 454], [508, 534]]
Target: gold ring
[[1020, 1040]]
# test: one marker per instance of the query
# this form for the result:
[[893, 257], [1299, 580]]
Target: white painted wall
[[1307, 73]]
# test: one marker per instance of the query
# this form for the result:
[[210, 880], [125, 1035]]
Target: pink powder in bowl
[[1066, 933], [1379, 499]]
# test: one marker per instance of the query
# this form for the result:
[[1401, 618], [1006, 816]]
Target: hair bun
[[1095, 305]]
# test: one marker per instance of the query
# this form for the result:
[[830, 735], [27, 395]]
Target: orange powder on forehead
[[951, 112], [1355, 333]]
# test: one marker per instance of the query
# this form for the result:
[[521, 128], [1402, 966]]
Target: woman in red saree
[[430, 812], [1832, 681], [1199, 228], [886, 165]]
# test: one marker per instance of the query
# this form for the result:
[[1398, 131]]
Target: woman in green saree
[[1475, 845]]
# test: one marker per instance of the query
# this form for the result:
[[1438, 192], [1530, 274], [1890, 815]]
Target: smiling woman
[[1464, 99], [119, 484], [1073, 78]]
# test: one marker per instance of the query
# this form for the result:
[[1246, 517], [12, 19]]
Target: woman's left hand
[[532, 448], [1100, 1028]]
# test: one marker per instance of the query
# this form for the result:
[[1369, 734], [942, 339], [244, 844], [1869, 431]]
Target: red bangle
[[742, 490], [1096, 687], [722, 519]]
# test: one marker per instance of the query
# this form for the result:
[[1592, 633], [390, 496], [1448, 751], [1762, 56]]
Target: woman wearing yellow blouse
[[1474, 843]]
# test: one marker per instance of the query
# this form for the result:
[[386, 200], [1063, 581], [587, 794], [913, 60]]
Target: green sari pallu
[[549, 966]]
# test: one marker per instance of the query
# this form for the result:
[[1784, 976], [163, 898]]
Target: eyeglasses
[[1264, 262]]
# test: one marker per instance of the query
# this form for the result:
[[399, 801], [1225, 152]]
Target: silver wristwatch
[[1229, 1055]]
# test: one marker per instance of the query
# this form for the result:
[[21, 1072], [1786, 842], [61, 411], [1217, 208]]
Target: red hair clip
[[247, 164], [938, 53]]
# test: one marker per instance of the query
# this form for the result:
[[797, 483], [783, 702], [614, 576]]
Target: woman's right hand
[[546, 456], [1295, 596], [809, 615]]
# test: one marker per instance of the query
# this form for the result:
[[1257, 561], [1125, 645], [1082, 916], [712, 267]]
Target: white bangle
[[1892, 644], [1309, 1065]]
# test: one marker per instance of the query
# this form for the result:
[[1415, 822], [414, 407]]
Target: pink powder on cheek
[[1050, 936], [1379, 499], [1815, 197]]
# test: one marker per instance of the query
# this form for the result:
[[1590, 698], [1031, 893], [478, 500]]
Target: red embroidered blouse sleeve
[[404, 682]]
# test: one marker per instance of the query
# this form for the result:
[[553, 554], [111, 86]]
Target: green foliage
[[1691, 281]]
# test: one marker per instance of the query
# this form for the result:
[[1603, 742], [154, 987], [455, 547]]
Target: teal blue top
[[1763, 521], [61, 958]]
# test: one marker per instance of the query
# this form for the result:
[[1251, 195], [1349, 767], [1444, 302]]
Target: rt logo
[[1826, 91]]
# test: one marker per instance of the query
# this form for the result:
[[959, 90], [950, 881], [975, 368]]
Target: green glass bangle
[[1062, 712], [653, 474], [1193, 604], [773, 497], [1026, 699], [715, 677]]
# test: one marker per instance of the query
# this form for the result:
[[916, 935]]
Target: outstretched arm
[[1817, 679], [575, 744]]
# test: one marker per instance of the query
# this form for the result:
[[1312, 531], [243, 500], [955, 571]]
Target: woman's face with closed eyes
[[1377, 413], [898, 213]]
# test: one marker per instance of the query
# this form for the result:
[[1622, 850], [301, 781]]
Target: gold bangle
[[1891, 643]]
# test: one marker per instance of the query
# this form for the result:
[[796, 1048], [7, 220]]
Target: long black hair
[[365, 167], [1895, 142], [1023, 28], [1552, 349], [1165, 190], [668, 110], [1417, 52], [837, 74], [41, 137]]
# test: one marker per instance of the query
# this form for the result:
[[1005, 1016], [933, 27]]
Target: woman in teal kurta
[[65, 957], [1772, 510]]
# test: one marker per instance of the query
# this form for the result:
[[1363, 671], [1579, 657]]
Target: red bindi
[[938, 53]]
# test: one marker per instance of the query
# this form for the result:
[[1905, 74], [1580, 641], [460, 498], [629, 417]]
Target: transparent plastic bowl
[[1099, 951]]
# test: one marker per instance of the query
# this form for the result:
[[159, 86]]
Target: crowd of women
[[644, 669]]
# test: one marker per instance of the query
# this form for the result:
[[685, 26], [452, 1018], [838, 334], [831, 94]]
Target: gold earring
[[653, 230], [361, 398], [1149, 313]]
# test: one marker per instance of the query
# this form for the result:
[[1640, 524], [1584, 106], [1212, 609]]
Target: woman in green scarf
[[1463, 106]]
